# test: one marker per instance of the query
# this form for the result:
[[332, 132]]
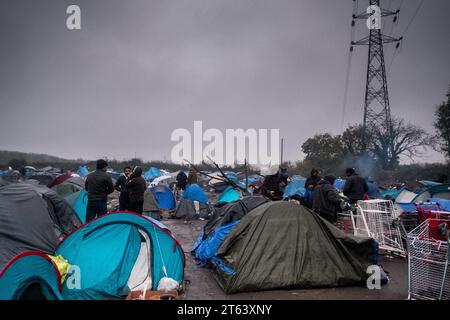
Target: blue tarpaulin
[[207, 249], [195, 193], [152, 173], [164, 197], [443, 203], [228, 196], [339, 184], [83, 171], [295, 187]]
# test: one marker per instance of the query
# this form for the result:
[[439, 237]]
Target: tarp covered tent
[[406, 198], [228, 195], [391, 193], [195, 193], [83, 171], [31, 275], [60, 179], [120, 252], [233, 212], [43, 178], [66, 188], [32, 218], [152, 173], [189, 209], [443, 203], [164, 197], [285, 245], [295, 188], [220, 225]]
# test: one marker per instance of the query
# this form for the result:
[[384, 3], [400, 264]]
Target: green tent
[[285, 245]]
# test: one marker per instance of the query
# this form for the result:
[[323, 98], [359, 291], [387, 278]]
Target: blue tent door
[[164, 197]]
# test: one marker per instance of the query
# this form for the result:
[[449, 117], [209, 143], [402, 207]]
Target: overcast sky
[[137, 70]]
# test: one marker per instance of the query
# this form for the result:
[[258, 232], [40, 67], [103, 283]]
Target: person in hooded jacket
[[355, 187], [326, 199], [136, 187], [182, 180], [310, 184]]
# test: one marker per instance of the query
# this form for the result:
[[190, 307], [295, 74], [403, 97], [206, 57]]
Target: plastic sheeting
[[152, 174], [228, 195], [195, 193], [295, 187], [164, 197]]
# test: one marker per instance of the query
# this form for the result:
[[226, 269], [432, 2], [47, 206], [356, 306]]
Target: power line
[[404, 32], [349, 61], [414, 16]]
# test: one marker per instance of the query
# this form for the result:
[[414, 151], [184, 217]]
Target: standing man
[[310, 184], [355, 186], [98, 186], [124, 198], [326, 200], [136, 187]]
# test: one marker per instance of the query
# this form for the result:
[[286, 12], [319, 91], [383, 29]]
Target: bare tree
[[403, 139]]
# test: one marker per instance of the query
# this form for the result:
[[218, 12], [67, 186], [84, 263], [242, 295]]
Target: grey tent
[[285, 245], [188, 210], [232, 212], [32, 217]]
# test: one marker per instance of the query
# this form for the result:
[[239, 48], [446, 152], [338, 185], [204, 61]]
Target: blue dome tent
[[119, 241], [152, 174], [17, 277], [406, 198], [195, 193], [229, 195], [164, 197], [115, 254], [78, 202]]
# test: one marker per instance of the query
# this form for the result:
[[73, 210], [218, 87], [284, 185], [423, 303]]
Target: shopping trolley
[[377, 219], [428, 260]]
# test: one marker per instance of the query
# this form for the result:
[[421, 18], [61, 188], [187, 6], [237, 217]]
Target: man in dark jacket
[[182, 180], [136, 187], [274, 185], [310, 185], [98, 185], [124, 198], [355, 186], [326, 200]]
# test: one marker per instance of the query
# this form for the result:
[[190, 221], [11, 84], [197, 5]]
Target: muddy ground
[[202, 285]]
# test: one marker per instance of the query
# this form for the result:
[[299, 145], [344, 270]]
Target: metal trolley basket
[[428, 259], [377, 219]]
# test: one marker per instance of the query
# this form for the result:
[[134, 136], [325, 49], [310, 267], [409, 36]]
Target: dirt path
[[204, 287]]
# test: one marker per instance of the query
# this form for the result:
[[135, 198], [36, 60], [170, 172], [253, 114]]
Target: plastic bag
[[168, 284]]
